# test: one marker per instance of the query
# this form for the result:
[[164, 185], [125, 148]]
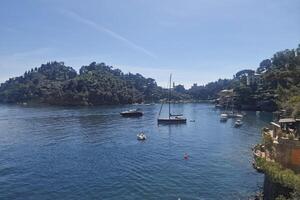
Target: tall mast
[[170, 96]]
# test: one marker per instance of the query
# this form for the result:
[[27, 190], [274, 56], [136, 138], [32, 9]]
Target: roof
[[287, 120], [277, 125]]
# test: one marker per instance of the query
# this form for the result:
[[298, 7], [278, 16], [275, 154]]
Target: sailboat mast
[[170, 97]]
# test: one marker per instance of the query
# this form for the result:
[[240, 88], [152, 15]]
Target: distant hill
[[96, 84], [274, 84]]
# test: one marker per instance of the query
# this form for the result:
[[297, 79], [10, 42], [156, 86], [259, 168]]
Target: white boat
[[239, 115], [141, 136], [238, 123], [223, 117], [235, 115]]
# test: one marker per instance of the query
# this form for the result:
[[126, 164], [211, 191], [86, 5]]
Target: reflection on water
[[92, 153]]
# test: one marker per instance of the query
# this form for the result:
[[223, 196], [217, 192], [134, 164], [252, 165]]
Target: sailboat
[[172, 119], [234, 114], [224, 115]]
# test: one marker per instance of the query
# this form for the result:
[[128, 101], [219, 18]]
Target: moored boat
[[238, 123], [235, 115], [218, 106], [171, 119], [223, 117], [141, 136], [132, 113]]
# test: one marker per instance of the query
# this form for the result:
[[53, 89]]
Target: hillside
[[274, 85], [96, 84]]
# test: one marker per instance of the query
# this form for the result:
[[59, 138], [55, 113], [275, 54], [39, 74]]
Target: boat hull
[[171, 121], [131, 114], [235, 116], [237, 125]]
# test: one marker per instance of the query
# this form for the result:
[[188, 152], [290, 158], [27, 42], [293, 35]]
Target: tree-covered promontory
[[96, 84], [274, 84]]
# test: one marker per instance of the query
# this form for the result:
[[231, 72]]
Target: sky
[[198, 41]]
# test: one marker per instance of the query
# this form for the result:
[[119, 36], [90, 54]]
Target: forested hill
[[276, 80], [96, 84], [274, 84]]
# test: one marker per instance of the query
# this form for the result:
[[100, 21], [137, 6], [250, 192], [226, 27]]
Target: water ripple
[[92, 153]]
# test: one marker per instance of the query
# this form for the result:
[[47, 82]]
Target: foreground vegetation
[[278, 174], [285, 177]]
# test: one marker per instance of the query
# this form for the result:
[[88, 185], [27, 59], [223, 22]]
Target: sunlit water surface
[[93, 153]]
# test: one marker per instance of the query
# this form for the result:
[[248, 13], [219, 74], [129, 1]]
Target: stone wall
[[288, 154]]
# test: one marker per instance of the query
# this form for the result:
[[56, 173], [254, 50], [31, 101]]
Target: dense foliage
[[283, 77], [285, 177], [275, 84], [210, 90], [96, 84]]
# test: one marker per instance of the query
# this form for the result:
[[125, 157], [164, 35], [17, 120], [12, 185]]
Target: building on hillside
[[225, 98]]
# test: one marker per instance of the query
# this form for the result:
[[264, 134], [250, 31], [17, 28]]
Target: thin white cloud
[[102, 29]]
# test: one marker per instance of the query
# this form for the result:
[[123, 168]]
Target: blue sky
[[197, 41]]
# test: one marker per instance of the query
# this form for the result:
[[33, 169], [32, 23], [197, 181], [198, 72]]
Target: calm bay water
[[92, 153]]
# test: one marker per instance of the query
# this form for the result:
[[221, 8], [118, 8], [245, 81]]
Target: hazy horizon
[[196, 41]]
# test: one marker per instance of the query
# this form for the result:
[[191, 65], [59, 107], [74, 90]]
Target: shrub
[[278, 174]]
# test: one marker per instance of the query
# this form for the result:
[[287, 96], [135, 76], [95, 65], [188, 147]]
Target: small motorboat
[[141, 136], [238, 123], [235, 115], [239, 115], [218, 106], [132, 113], [223, 117]]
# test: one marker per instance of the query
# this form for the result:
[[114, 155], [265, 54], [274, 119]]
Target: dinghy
[[238, 123], [141, 136]]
